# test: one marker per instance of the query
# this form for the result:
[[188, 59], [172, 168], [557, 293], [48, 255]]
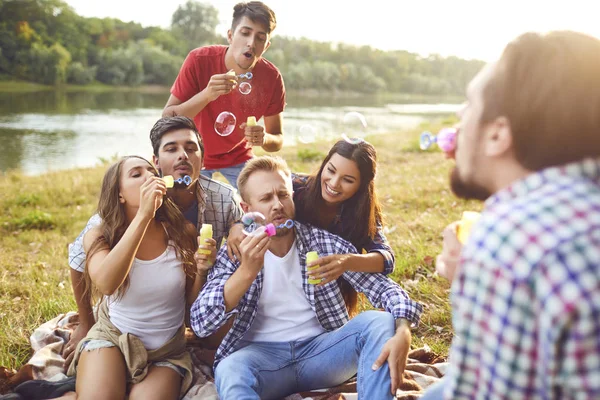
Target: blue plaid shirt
[[208, 311], [343, 223]]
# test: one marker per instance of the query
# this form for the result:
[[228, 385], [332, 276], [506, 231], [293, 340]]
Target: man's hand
[[76, 336], [252, 251], [234, 238], [395, 352], [205, 262], [447, 261], [219, 85], [255, 135], [330, 267]]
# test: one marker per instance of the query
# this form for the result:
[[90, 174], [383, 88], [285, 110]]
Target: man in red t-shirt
[[203, 90]]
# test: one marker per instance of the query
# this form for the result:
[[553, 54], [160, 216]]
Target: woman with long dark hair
[[142, 259], [341, 198]]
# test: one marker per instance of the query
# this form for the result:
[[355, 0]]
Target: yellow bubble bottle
[[310, 257], [251, 121], [463, 228], [206, 232], [169, 181]]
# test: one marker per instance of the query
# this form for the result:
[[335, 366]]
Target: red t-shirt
[[266, 98]]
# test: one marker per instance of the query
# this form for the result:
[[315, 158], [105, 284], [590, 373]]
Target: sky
[[465, 28]]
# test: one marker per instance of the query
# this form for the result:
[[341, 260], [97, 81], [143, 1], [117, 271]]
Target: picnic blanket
[[423, 368]]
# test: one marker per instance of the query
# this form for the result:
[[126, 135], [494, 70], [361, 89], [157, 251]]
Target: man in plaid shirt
[[178, 151], [289, 335], [526, 298]]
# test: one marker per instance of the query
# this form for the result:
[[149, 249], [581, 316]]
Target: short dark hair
[[548, 87], [257, 11], [169, 124]]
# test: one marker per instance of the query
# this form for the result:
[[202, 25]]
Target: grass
[[42, 214]]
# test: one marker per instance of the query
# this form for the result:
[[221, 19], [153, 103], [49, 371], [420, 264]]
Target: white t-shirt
[[284, 313], [153, 307]]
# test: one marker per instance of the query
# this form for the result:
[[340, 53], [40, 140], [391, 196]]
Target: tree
[[48, 64], [195, 23]]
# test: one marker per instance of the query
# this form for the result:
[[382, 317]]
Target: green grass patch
[[307, 155]]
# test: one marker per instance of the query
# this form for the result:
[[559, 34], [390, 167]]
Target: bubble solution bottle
[[206, 232], [310, 257]]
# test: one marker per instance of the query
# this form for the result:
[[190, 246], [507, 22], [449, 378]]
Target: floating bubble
[[445, 139], [247, 75], [307, 134], [245, 88], [225, 123], [354, 127]]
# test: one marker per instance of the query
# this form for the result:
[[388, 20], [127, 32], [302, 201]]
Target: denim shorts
[[95, 344]]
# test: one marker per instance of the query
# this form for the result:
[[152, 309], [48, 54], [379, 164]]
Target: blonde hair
[[262, 163]]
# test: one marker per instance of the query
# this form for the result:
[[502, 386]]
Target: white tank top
[[153, 307]]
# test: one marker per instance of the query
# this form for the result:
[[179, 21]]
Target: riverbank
[[15, 86], [43, 213]]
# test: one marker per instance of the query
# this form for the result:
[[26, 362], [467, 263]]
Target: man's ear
[[229, 36], [267, 46], [498, 138], [156, 164]]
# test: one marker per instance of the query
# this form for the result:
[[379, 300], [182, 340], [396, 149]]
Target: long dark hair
[[364, 205], [114, 224]]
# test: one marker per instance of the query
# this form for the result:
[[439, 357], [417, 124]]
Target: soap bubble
[[354, 127], [307, 134], [225, 123], [445, 139], [245, 88]]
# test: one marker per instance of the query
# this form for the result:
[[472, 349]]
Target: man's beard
[[281, 232], [465, 190]]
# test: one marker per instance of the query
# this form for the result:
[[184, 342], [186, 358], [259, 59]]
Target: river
[[55, 130]]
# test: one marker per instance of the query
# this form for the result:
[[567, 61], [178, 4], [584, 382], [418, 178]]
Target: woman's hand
[[330, 267], [151, 196]]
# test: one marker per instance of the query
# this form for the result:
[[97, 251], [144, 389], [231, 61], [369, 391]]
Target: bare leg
[[160, 383], [101, 374]]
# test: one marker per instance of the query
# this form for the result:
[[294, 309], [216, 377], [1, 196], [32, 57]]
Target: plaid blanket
[[423, 369]]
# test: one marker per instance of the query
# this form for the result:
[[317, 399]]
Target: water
[[56, 130]]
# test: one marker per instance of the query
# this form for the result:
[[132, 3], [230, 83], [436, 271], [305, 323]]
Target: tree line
[[46, 41]]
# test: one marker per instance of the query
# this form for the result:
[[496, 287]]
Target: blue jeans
[[230, 173], [434, 392], [273, 370]]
